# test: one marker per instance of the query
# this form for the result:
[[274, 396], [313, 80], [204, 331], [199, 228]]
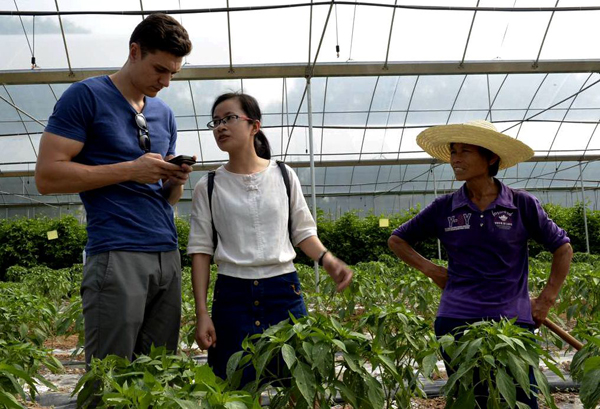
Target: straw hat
[[436, 141]]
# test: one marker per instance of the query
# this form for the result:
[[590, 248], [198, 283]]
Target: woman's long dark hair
[[252, 110]]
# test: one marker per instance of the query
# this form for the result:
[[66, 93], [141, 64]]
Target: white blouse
[[251, 217]]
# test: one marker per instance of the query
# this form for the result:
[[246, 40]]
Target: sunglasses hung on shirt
[[214, 124], [143, 132]]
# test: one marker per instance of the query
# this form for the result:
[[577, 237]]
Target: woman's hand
[[205, 331], [438, 274], [338, 271], [539, 309]]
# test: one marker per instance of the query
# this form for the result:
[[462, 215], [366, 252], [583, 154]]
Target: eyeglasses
[[143, 132], [214, 124]]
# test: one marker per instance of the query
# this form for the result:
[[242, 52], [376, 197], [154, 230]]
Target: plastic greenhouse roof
[[529, 67]]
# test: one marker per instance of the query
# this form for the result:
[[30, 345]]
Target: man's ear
[[135, 52]]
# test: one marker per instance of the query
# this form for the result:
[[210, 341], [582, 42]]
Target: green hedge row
[[352, 238]]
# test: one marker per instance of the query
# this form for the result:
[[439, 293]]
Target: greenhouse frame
[[487, 298], [353, 114]]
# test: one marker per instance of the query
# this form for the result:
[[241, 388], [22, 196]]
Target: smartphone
[[182, 159]]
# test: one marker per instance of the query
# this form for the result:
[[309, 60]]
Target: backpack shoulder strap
[[211, 186], [288, 190]]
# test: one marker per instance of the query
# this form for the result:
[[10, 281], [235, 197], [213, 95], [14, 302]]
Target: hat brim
[[437, 139]]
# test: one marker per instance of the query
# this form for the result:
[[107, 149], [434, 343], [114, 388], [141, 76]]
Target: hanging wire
[[185, 61], [337, 37], [24, 31], [506, 30], [31, 49], [33, 63], [352, 34]]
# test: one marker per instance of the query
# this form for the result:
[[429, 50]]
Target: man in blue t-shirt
[[109, 140]]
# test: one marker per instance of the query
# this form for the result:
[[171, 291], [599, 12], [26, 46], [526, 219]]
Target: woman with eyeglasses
[[247, 213]]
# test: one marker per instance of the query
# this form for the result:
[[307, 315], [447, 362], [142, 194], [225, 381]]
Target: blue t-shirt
[[488, 263], [126, 216]]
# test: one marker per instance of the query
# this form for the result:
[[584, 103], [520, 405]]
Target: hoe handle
[[564, 335]]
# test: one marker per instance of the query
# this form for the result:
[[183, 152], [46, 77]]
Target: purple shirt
[[488, 264]]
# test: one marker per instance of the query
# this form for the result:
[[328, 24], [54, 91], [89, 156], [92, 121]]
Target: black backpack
[[211, 186]]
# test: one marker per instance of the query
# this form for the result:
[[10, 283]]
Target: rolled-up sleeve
[[201, 235], [303, 224], [541, 227], [420, 227]]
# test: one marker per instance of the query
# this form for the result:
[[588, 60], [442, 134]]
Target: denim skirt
[[243, 307]]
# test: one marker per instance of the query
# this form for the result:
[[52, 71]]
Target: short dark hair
[[161, 32], [489, 155], [250, 107]]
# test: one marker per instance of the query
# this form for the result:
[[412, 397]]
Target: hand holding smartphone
[[182, 159]]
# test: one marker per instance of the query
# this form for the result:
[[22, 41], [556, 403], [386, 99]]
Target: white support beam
[[43, 76]]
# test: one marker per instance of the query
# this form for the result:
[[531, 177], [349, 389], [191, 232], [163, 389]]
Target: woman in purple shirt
[[484, 227]]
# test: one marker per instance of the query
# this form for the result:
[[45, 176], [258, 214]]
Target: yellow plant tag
[[384, 222], [52, 235]]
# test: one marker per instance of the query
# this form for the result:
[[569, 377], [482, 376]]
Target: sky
[[362, 32]]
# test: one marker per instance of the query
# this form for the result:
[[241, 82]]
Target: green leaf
[[307, 347], [289, 356], [465, 400], [506, 387], [45, 382], [446, 341], [340, 345], [490, 360], [305, 380], [508, 341], [338, 327], [429, 364], [9, 400], [542, 384], [17, 387], [389, 364], [473, 348], [459, 374], [203, 374], [347, 394], [375, 392], [591, 363], [235, 405], [554, 368], [589, 393], [186, 404], [232, 363], [352, 362], [262, 361], [519, 370]]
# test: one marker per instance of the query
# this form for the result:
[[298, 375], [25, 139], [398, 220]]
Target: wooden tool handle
[[564, 335]]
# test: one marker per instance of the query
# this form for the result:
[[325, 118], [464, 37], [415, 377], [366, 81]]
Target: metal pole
[[435, 194], [312, 167], [587, 237], [62, 30]]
